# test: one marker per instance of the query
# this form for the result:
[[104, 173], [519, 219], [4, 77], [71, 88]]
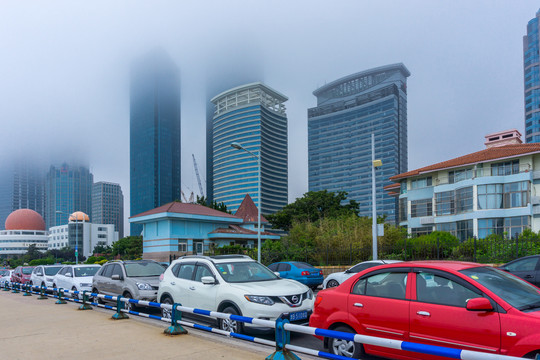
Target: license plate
[[300, 315]]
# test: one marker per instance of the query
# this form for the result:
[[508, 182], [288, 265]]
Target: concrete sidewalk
[[40, 329]]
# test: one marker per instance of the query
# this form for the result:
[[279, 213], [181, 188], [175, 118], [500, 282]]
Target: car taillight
[[305, 273], [320, 272], [318, 300], [161, 277]]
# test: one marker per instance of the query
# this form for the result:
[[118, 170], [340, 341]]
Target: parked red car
[[452, 304], [21, 274]]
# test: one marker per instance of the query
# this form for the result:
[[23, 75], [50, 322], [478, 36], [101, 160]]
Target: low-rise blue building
[[177, 229]]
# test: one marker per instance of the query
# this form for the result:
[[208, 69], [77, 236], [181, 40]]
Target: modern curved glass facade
[[348, 111], [154, 134], [531, 63], [254, 116]]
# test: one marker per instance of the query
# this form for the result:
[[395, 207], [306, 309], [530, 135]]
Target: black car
[[527, 268]]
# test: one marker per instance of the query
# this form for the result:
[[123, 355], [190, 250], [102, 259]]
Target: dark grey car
[[137, 279]]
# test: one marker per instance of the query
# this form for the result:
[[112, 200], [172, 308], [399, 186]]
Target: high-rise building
[[348, 111], [108, 205], [154, 134], [531, 69], [21, 187], [68, 189], [254, 116]]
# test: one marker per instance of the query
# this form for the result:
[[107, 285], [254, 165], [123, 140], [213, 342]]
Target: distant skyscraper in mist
[[108, 205], [21, 187], [531, 69], [154, 134], [68, 189], [230, 71]]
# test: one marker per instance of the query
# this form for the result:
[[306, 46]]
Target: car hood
[[83, 279], [278, 287]]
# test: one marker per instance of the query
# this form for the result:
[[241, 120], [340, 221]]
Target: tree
[[202, 200], [102, 249], [129, 247], [314, 205]]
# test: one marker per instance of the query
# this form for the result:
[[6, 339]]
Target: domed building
[[24, 227], [81, 234]]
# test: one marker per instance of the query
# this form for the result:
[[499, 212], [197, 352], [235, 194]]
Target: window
[[512, 226], [107, 271], [284, 267], [202, 270], [503, 196], [117, 270], [421, 183], [444, 203], [459, 175], [403, 209], [425, 230], [505, 168], [528, 264], [490, 196], [516, 194], [185, 271], [464, 230], [182, 247], [421, 208], [388, 285], [464, 200], [435, 289]]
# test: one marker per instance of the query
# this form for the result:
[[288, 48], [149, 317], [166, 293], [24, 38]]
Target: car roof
[[435, 264], [217, 258]]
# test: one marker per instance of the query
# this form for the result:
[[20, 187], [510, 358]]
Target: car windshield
[[303, 265], [52, 270], [81, 271], [239, 272], [138, 269], [4, 272], [27, 271], [518, 293]]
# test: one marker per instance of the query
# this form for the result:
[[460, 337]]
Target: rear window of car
[[303, 265], [143, 269]]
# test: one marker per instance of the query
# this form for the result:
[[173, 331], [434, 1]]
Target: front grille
[[293, 300]]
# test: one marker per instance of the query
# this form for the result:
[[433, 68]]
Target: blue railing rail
[[283, 327]]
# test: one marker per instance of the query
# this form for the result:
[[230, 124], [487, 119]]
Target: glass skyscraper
[[154, 134], [531, 62], [348, 111], [108, 205], [68, 189], [254, 116]]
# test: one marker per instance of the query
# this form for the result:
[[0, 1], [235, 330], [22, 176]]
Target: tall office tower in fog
[[227, 73], [254, 116], [154, 134], [68, 188], [348, 111], [21, 187], [108, 205], [531, 69]]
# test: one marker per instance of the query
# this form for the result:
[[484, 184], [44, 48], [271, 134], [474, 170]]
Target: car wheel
[[127, 305], [73, 295], [332, 283], [345, 348], [231, 325], [166, 313], [98, 299]]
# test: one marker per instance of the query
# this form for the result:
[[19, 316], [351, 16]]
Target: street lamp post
[[258, 157], [374, 164]]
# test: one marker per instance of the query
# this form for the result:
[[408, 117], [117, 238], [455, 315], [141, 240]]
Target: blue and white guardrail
[[282, 326]]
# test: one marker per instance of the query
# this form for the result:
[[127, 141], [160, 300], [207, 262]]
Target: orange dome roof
[[25, 219], [79, 216]]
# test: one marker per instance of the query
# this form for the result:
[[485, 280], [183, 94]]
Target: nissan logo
[[295, 299]]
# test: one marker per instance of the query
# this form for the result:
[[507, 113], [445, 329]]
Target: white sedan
[[337, 278], [43, 275], [76, 278]]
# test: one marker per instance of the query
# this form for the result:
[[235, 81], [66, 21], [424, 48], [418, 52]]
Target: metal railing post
[[60, 295], [6, 286], [119, 315], [175, 328], [283, 337], [15, 288], [42, 295], [84, 305], [26, 290]]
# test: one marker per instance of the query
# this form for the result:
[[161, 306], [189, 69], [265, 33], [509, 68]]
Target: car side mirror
[[68, 275], [277, 273], [117, 277], [347, 271], [479, 304], [208, 280]]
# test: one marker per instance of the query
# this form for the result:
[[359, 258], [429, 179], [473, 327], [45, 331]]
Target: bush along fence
[[284, 350], [493, 249]]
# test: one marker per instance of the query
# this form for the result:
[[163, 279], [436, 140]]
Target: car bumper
[[147, 295], [273, 312], [311, 281]]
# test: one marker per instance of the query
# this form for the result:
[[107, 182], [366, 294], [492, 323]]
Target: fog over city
[[64, 71]]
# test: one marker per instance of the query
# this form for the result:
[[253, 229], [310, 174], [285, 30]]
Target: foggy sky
[[64, 71]]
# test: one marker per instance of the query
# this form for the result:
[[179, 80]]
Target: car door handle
[[423, 313], [192, 288], [173, 283], [358, 305]]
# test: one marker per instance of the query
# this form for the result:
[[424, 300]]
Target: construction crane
[[198, 177]]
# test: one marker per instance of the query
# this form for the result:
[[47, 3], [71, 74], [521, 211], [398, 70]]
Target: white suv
[[234, 284], [76, 278], [43, 275]]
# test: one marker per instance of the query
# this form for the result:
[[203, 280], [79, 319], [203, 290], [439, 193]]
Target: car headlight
[[265, 300], [144, 286]]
